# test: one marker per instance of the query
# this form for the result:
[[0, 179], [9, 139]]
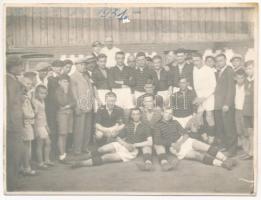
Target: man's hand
[[176, 146], [225, 108]]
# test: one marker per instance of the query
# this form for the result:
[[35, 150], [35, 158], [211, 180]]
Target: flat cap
[[90, 59], [58, 63], [236, 56], [96, 44], [43, 66], [139, 54], [13, 61]]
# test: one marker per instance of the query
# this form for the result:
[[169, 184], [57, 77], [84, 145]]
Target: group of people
[[192, 107]]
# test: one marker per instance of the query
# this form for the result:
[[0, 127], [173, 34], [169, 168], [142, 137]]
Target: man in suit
[[14, 125], [224, 106], [84, 95], [51, 104], [182, 69]]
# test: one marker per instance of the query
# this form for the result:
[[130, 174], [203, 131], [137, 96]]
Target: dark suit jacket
[[115, 74], [225, 89], [14, 102], [100, 81], [186, 72]]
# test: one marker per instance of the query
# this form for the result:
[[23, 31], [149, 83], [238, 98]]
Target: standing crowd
[[103, 110]]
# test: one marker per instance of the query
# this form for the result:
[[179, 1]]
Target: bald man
[[110, 51]]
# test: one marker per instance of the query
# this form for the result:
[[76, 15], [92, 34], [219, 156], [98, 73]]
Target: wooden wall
[[47, 27]]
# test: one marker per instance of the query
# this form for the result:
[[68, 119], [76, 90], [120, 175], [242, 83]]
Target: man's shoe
[[227, 164], [145, 166], [76, 165], [65, 161], [166, 167]]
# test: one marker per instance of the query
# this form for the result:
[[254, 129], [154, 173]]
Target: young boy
[[170, 135], [248, 109], [135, 136], [65, 102], [150, 89], [67, 66], [29, 115], [239, 103]]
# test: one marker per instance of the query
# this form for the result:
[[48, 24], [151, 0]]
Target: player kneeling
[[170, 134], [134, 136]]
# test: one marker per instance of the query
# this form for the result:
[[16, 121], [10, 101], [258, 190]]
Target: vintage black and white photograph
[[132, 99]]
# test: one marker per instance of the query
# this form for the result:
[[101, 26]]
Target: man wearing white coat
[[204, 82]]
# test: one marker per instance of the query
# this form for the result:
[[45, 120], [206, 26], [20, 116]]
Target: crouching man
[[170, 134], [135, 136], [109, 120]]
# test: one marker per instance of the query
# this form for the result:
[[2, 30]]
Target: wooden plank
[[165, 25], [72, 26], [50, 23], [29, 27], [216, 27], [173, 24], [107, 26], [36, 27], [202, 24], [79, 26], [158, 25], [222, 22], [9, 28], [94, 35], [57, 26], [65, 26], [86, 25], [44, 26]]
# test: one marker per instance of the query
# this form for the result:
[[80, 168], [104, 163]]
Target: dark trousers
[[226, 129], [52, 124], [82, 131], [14, 153]]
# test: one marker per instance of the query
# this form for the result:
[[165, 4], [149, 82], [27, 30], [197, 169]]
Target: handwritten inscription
[[118, 13]]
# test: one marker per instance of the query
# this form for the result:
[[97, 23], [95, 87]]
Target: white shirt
[[110, 53], [204, 81], [240, 97]]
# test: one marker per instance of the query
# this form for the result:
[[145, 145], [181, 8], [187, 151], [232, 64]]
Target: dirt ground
[[189, 177]]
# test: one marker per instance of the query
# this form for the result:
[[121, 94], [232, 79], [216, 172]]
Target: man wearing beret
[[14, 123], [51, 105], [96, 48]]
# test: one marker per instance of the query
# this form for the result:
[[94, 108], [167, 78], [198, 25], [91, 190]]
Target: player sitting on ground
[[169, 133], [136, 135]]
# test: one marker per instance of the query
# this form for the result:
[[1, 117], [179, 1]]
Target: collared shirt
[[141, 75], [182, 103], [151, 118], [204, 81], [240, 96], [169, 132], [181, 66], [123, 75], [106, 119], [158, 100], [221, 71], [110, 53], [40, 115], [162, 79], [100, 78], [136, 133], [28, 110]]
